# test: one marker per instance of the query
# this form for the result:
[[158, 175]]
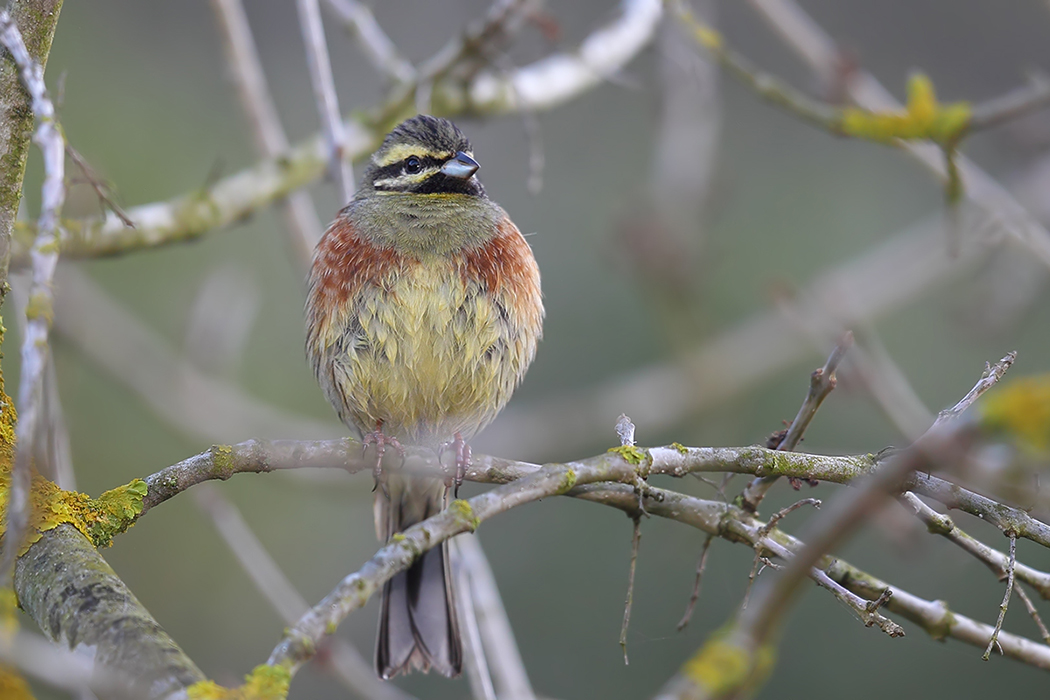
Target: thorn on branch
[[103, 190], [635, 540], [993, 642], [695, 595]]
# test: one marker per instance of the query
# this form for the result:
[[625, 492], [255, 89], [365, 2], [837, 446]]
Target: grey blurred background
[[147, 100]]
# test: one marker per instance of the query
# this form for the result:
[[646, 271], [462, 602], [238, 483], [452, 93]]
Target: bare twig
[[497, 636], [541, 85], [636, 539], [377, 46], [200, 405], [1030, 607], [345, 661], [695, 595], [44, 257], [817, 48], [995, 560], [865, 610], [324, 92], [993, 640], [102, 189], [821, 383], [991, 375], [63, 669], [269, 136], [475, 660]]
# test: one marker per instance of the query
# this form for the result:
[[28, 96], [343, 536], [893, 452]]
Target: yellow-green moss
[[682, 449], [39, 306], [923, 118], [464, 513], [722, 667], [222, 460], [12, 685], [397, 537], [98, 519], [568, 481], [263, 683], [1021, 409], [631, 454]]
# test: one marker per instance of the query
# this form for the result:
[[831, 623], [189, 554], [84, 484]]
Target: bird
[[423, 312]]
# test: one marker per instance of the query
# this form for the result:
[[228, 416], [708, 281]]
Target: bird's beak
[[461, 165]]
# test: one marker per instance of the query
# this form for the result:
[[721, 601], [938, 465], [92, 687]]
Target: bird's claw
[[381, 442], [458, 446]]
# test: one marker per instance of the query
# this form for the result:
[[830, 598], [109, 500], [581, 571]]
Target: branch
[[541, 85], [821, 383], [816, 48], [270, 139], [44, 258], [324, 93], [37, 20], [77, 600], [299, 642], [377, 46], [344, 660]]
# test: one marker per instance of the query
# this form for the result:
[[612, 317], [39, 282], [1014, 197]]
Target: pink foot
[[381, 442], [461, 449]]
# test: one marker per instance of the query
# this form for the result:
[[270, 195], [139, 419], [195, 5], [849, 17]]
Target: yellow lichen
[[98, 519], [923, 118], [263, 683], [465, 513], [1021, 409], [682, 449], [12, 685], [721, 667], [631, 454]]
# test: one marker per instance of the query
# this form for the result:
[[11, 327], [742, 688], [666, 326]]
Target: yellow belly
[[428, 356]]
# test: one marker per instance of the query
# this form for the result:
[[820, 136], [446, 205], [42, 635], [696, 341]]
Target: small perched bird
[[422, 315]]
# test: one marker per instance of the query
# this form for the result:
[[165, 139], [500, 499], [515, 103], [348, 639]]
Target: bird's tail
[[418, 627]]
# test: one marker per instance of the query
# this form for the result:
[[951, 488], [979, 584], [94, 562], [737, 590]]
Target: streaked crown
[[424, 155]]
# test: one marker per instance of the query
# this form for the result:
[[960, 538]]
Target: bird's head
[[424, 155]]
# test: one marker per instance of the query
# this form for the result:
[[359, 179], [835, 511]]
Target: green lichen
[[263, 683], [222, 461], [682, 449], [464, 513], [397, 537], [40, 306], [631, 454], [568, 481], [722, 667], [100, 520]]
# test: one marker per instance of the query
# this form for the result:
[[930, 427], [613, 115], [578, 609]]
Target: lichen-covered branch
[[78, 601], [44, 258], [541, 85], [36, 20]]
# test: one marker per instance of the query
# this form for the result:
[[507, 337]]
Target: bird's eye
[[412, 165]]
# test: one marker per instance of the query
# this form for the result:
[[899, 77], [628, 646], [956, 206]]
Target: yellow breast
[[428, 355]]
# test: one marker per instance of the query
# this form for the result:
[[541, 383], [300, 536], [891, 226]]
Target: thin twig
[[821, 383], [867, 611], [257, 102], [695, 595], [345, 661], [475, 659], [505, 662], [993, 640], [1030, 607], [324, 93], [636, 538], [102, 189], [44, 256], [992, 374], [819, 50], [377, 46]]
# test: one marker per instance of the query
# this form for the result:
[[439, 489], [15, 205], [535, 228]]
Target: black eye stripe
[[396, 169]]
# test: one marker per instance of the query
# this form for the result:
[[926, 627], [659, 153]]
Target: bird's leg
[[381, 442], [461, 449]]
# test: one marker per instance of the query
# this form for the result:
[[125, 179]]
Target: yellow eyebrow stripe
[[398, 152]]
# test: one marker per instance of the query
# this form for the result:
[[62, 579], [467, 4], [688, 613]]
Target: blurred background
[[649, 249]]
